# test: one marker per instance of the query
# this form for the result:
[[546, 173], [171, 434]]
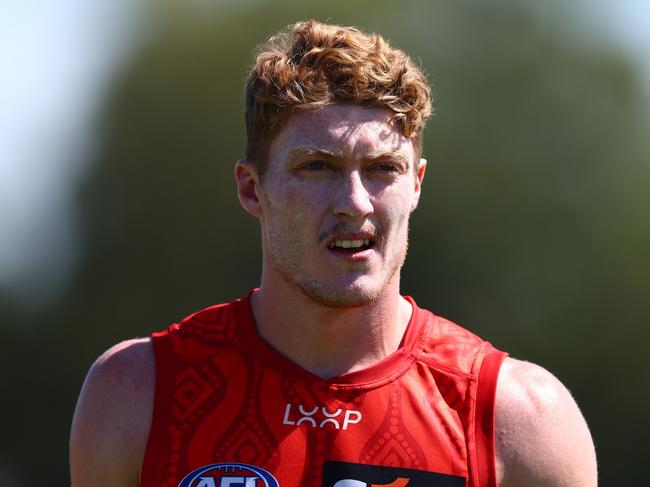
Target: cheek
[[396, 205], [289, 212], [295, 196]]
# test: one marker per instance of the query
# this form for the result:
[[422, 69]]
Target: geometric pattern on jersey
[[224, 396]]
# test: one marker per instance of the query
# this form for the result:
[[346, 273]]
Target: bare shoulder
[[541, 436], [113, 416]]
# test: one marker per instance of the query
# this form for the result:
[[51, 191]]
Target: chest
[[244, 424]]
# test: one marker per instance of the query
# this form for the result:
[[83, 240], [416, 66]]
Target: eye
[[386, 167], [315, 165]]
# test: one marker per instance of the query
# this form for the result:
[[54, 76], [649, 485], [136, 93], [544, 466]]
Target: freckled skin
[[305, 199]]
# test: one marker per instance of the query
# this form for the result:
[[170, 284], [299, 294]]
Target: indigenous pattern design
[[223, 396]]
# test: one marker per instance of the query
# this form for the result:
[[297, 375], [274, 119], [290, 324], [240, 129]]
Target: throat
[[329, 343]]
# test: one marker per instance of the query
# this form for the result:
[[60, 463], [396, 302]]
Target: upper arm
[[541, 437], [113, 416]]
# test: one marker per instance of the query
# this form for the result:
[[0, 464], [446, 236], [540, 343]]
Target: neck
[[330, 341]]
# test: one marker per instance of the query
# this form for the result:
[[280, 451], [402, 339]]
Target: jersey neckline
[[384, 371]]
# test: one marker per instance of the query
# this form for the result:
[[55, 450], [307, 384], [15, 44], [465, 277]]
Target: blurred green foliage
[[533, 229]]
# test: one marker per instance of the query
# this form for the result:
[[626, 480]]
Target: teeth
[[350, 244]]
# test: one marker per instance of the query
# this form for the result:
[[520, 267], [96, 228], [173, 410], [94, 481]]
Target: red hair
[[310, 65]]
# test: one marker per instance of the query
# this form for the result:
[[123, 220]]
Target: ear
[[248, 187], [419, 176]]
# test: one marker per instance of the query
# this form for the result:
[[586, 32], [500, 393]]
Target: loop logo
[[343, 474], [229, 475], [319, 417]]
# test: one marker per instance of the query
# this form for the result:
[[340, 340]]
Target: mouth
[[351, 246]]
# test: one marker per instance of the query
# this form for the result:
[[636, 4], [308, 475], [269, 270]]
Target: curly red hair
[[310, 65]]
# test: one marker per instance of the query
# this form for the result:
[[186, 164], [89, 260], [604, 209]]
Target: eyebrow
[[312, 150]]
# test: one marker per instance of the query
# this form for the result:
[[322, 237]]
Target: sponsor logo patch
[[320, 417], [342, 474], [229, 475]]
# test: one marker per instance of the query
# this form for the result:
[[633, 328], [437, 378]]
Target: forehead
[[352, 131]]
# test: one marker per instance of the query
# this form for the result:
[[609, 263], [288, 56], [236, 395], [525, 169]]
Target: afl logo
[[229, 475]]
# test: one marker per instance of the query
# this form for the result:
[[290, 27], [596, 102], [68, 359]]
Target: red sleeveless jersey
[[231, 411]]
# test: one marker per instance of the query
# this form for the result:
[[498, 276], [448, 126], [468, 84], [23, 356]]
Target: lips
[[342, 240], [349, 244]]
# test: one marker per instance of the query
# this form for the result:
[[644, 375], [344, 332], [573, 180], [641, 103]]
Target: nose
[[352, 197]]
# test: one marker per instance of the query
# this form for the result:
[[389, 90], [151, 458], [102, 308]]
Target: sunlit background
[[120, 122]]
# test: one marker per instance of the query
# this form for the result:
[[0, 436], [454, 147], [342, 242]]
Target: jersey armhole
[[484, 420], [165, 375]]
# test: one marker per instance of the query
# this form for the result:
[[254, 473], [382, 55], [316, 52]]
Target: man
[[325, 374]]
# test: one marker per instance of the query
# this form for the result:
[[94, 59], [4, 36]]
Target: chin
[[350, 296]]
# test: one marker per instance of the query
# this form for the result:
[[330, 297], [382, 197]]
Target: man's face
[[334, 204]]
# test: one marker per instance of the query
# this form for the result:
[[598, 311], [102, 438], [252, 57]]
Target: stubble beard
[[287, 263]]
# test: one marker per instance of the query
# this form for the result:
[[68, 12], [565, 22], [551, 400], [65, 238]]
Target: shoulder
[[541, 436], [446, 343], [113, 414]]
